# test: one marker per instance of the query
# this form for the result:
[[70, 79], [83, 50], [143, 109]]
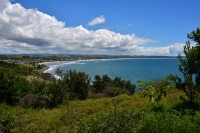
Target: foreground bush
[[114, 120], [166, 122], [6, 122], [125, 121]]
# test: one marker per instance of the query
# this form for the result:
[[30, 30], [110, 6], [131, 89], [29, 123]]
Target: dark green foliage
[[157, 108], [130, 87], [186, 107], [40, 91], [71, 85], [109, 86], [59, 73], [100, 83], [174, 79], [114, 91], [78, 84], [51, 94], [47, 76], [126, 85], [195, 36], [189, 66], [58, 91], [12, 88]]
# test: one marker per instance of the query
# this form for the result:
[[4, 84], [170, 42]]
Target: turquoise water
[[127, 69]]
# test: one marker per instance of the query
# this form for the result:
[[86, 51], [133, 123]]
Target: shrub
[[105, 83], [78, 84], [157, 89], [96, 95], [57, 92], [13, 88], [47, 76], [114, 120], [6, 122], [100, 83], [114, 91], [166, 122]]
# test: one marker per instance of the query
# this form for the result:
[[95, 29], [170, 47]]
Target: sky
[[109, 27]]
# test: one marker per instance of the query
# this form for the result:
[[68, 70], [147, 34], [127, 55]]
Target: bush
[[47, 76], [105, 83], [57, 92], [96, 95], [78, 84], [166, 122], [100, 83], [114, 120], [114, 91], [12, 89], [6, 122]]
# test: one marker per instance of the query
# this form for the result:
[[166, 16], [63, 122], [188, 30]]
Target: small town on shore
[[36, 59]]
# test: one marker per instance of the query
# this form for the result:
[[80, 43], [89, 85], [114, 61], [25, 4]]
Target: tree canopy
[[190, 65]]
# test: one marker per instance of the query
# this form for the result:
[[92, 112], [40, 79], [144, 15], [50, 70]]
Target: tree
[[39, 94], [100, 83], [78, 84], [57, 92], [158, 89], [118, 86], [130, 87], [190, 66], [12, 88], [195, 36]]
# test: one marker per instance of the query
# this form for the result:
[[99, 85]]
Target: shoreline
[[43, 69], [47, 68], [96, 59]]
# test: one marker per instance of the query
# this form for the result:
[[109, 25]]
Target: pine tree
[[190, 65]]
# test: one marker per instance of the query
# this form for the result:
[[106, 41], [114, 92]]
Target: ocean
[[147, 69]]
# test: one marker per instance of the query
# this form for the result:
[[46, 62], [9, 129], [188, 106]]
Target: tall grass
[[121, 113]]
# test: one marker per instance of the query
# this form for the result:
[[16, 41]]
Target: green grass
[[101, 114], [27, 65], [71, 115]]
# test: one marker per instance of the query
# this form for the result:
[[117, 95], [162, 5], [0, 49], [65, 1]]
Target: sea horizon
[[148, 69]]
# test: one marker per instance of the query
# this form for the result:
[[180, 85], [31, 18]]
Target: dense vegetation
[[39, 92], [190, 66], [33, 102]]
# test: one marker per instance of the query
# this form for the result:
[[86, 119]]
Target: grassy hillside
[[122, 113], [160, 106]]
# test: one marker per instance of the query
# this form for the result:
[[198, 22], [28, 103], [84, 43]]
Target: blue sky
[[159, 25]]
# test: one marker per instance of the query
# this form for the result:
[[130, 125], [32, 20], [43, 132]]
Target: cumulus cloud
[[176, 48], [31, 31], [98, 20]]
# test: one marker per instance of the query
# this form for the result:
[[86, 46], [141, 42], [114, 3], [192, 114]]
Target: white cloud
[[98, 20], [173, 49], [31, 31], [176, 48]]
